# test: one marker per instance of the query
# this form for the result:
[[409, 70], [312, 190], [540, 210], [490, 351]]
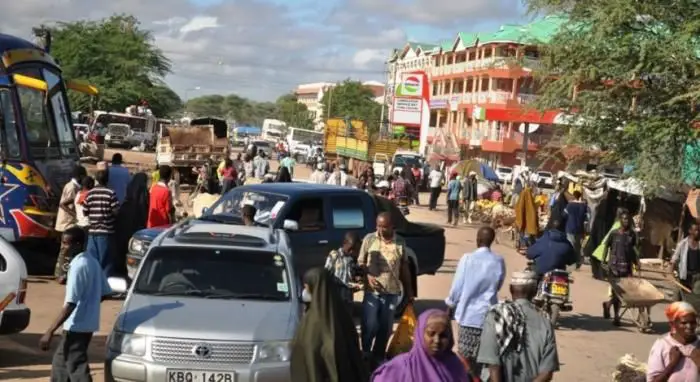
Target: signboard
[[438, 104], [411, 98]]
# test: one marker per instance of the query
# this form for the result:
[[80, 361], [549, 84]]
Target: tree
[[351, 99], [635, 67], [242, 110], [119, 58], [295, 114]]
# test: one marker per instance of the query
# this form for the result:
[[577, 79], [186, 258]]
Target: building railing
[[493, 97], [486, 63]]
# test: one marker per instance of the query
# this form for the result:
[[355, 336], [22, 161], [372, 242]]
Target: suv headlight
[[108, 136], [137, 246], [277, 351], [127, 343]]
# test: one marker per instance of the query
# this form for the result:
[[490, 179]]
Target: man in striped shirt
[[101, 207]]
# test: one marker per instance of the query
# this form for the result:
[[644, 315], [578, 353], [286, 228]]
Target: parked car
[[322, 214], [211, 302], [545, 177], [14, 318], [264, 146], [505, 174]]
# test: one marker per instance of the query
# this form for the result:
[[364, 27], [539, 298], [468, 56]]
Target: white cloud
[[260, 48]]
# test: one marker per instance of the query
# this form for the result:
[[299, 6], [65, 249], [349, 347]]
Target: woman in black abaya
[[132, 217]]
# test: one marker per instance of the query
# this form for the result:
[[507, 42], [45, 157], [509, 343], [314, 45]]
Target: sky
[[262, 49]]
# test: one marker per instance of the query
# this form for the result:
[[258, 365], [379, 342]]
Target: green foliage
[[351, 99], [617, 51], [248, 112], [117, 57]]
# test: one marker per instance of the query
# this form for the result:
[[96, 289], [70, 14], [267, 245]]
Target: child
[[342, 264]]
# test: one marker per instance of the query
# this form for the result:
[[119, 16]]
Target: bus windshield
[[305, 136], [46, 116]]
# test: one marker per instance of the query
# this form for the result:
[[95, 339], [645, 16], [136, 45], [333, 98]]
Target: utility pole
[[382, 126], [330, 102], [526, 138]]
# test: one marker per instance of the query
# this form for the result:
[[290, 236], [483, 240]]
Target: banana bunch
[[630, 369], [485, 204]]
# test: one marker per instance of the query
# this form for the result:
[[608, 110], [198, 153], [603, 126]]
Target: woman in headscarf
[[526, 220], [325, 347], [431, 359], [283, 175], [132, 217], [675, 357]]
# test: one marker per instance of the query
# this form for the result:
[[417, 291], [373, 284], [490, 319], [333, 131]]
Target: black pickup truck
[[316, 218]]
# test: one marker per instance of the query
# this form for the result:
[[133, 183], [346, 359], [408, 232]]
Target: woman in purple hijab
[[431, 359]]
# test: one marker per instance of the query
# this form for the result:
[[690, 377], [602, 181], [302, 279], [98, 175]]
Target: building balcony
[[526, 64], [493, 97]]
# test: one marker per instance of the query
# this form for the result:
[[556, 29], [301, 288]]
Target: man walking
[[118, 177], [101, 207], [453, 190], [67, 218], [469, 196], [518, 342], [576, 213], [474, 290], [86, 287], [385, 262], [435, 179]]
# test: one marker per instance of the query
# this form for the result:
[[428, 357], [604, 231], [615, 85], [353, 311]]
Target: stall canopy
[[464, 167]]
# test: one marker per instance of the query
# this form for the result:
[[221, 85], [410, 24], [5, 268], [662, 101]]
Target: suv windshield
[[214, 273], [403, 160], [267, 205]]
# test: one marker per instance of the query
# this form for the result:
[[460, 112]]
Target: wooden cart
[[637, 296]]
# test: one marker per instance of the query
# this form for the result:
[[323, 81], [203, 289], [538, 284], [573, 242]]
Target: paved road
[[588, 346]]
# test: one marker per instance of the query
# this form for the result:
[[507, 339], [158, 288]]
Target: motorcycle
[[553, 293]]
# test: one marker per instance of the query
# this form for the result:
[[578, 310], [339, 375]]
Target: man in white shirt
[[435, 179], [338, 177], [318, 176]]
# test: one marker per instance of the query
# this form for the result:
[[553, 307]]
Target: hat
[[319, 166], [523, 278], [472, 173]]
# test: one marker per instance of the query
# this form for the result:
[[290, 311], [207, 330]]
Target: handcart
[[637, 296]]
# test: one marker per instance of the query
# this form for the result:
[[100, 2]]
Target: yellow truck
[[344, 138]]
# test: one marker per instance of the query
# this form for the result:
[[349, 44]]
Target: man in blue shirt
[[453, 190], [576, 214], [552, 251], [86, 287], [474, 290], [118, 177]]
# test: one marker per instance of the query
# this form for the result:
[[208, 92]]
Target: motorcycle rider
[[552, 250]]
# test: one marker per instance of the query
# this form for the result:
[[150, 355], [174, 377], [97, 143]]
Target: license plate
[[560, 290], [199, 376]]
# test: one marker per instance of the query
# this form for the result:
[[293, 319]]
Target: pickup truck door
[[351, 212], [310, 244]]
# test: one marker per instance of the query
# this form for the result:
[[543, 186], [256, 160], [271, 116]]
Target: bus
[[38, 149], [300, 140]]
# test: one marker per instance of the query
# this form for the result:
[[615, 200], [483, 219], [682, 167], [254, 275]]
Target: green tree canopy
[[248, 112], [351, 99], [120, 59], [295, 114], [635, 65]]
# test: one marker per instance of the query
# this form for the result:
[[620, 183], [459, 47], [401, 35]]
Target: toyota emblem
[[202, 351]]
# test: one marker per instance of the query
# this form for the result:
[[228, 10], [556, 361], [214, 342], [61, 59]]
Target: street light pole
[[189, 90]]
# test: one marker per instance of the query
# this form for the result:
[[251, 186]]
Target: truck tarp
[[219, 125]]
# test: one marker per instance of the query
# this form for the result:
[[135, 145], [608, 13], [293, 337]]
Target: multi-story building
[[481, 86], [312, 94]]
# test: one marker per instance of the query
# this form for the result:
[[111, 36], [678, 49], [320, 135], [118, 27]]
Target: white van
[[13, 279]]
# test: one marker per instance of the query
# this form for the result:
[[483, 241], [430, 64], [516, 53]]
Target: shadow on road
[[590, 323], [24, 374], [22, 349], [449, 266]]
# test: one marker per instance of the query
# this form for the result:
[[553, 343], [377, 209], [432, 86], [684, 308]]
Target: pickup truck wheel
[[403, 302]]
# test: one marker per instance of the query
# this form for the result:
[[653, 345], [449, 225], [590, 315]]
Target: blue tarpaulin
[[249, 130]]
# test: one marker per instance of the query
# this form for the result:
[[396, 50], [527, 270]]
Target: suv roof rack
[[219, 238]]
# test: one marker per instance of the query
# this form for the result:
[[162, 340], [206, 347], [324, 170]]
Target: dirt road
[[588, 345]]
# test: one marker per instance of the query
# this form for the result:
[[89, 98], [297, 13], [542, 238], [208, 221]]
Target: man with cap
[[318, 176], [339, 177], [517, 341]]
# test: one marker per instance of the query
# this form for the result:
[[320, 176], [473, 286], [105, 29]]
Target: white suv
[[505, 174], [13, 284]]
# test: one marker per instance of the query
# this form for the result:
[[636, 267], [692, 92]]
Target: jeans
[[434, 195], [70, 361], [575, 239], [452, 211], [103, 247], [377, 322]]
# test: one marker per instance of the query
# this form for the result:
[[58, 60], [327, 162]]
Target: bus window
[[7, 123], [39, 134], [66, 138]]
